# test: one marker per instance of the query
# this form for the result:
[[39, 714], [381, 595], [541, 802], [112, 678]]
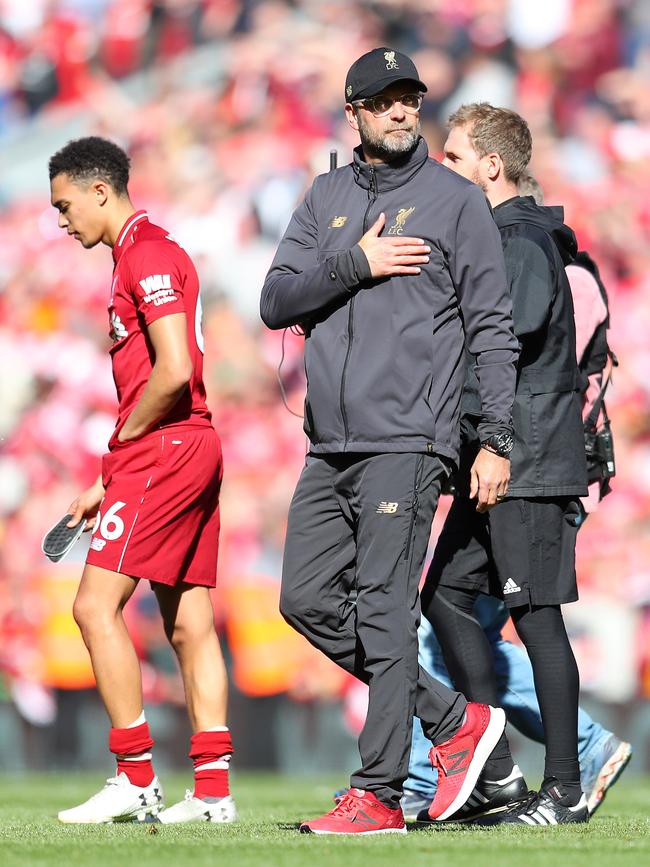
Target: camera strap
[[591, 421]]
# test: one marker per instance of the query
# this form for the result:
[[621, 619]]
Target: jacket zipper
[[372, 195]]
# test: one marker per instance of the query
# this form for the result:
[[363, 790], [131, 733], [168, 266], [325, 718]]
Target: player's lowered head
[[88, 185], [489, 146]]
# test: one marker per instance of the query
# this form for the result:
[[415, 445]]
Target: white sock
[[140, 721]]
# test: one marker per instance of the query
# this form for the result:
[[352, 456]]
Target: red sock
[[131, 747], [211, 752]]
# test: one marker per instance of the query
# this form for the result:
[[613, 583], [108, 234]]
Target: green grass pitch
[[271, 808]]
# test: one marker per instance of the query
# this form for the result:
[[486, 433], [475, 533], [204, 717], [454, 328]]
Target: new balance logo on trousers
[[386, 508]]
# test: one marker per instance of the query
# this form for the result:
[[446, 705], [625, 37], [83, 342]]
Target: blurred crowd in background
[[228, 108]]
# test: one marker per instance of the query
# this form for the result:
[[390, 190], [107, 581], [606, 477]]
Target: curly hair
[[497, 130], [91, 158]]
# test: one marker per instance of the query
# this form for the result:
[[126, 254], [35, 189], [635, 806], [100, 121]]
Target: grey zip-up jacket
[[385, 357]]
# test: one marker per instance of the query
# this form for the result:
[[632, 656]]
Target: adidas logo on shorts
[[511, 586]]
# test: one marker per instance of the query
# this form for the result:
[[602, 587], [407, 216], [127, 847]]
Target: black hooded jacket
[[548, 459]]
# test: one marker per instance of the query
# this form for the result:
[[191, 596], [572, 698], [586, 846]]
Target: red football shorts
[[159, 519]]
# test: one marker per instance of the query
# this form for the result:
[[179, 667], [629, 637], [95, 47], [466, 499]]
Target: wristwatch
[[501, 444]]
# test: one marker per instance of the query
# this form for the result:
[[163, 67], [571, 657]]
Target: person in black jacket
[[390, 265], [524, 550]]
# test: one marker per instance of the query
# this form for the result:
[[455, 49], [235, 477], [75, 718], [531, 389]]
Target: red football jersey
[[153, 277]]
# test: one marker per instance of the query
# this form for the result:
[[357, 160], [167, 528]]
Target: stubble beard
[[476, 179], [384, 145]]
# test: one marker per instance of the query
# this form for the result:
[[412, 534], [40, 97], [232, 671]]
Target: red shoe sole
[[306, 830]]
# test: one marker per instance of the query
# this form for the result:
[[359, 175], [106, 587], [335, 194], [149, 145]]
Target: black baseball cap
[[374, 71]]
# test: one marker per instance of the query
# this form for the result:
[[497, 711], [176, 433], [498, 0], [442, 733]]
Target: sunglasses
[[381, 105]]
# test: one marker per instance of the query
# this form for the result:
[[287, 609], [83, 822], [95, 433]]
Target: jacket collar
[[389, 176]]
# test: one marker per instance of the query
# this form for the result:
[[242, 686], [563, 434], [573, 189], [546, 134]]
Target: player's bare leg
[[189, 624], [134, 792], [98, 607]]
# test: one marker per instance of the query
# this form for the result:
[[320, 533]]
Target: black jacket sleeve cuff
[[350, 267], [487, 429]]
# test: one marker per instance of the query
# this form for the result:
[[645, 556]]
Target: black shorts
[[522, 550]]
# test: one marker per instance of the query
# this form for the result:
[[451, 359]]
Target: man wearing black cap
[[391, 264]]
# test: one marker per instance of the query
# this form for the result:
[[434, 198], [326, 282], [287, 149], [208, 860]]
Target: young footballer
[[154, 510]]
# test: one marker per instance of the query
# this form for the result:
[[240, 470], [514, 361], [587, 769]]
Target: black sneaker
[[488, 797], [550, 806]]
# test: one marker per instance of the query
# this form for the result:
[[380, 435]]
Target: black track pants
[[357, 537]]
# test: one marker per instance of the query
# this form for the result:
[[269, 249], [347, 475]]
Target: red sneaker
[[460, 760], [357, 812]]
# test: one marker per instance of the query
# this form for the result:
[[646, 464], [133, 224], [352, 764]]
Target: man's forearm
[[161, 393], [289, 297]]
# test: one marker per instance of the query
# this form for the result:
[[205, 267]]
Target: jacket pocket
[[544, 383], [327, 254], [308, 422], [415, 503]]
